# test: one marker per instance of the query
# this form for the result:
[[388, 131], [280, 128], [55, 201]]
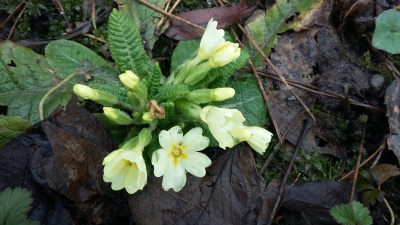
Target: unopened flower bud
[[129, 79], [98, 96], [117, 116], [210, 95], [221, 94], [224, 54]]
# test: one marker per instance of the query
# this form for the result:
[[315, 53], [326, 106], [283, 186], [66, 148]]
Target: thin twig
[[357, 169], [190, 24], [378, 150], [60, 9], [12, 14], [307, 126], [94, 14], [282, 78], [164, 17], [16, 22], [95, 38], [314, 89], [52, 90]]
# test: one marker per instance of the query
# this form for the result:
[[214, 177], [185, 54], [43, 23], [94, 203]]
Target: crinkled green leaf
[[25, 77], [355, 214], [145, 18], [363, 216], [67, 57], [14, 206], [264, 27], [343, 214], [387, 32], [249, 101], [126, 45], [154, 82], [11, 127]]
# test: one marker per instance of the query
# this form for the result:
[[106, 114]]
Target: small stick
[[307, 126], [282, 78], [190, 24], [16, 22], [12, 14], [378, 150], [60, 9], [163, 18], [357, 169]]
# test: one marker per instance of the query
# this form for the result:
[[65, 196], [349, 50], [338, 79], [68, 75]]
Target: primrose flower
[[125, 169], [260, 139], [226, 125], [212, 38], [224, 54], [180, 153]]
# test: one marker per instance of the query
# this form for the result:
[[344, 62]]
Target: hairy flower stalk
[[180, 154], [200, 96]]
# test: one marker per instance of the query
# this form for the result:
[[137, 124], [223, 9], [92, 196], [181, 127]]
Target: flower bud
[[117, 116], [98, 96], [200, 96], [129, 79], [224, 54], [132, 82]]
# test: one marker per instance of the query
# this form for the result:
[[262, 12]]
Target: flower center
[[177, 150]]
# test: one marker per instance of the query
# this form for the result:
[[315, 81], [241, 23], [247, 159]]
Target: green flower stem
[[188, 108], [197, 73], [184, 71], [389, 209]]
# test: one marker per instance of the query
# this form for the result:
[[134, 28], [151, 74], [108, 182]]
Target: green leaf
[[249, 101], [14, 206], [126, 45], [264, 27], [363, 216], [11, 127], [387, 32], [171, 92], [154, 81], [25, 77], [356, 214], [145, 18], [67, 57], [343, 214]]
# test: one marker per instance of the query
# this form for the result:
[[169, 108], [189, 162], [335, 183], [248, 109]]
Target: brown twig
[[378, 150], [357, 168], [314, 89], [12, 14], [164, 17], [15, 23], [307, 126], [60, 9], [281, 77], [190, 24]]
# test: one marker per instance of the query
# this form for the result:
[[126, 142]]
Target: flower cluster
[[163, 110]]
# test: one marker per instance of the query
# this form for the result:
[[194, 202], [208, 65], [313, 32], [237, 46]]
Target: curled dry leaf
[[225, 15]]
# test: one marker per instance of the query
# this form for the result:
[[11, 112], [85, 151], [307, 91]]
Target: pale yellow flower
[[226, 125], [212, 38], [260, 139], [118, 116], [180, 153], [125, 169], [224, 54]]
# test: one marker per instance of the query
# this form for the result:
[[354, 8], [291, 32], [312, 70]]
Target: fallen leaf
[[392, 100], [230, 193], [225, 15], [59, 161], [314, 200], [382, 172]]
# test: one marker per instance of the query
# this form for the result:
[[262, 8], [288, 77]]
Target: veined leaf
[[249, 101], [14, 206], [145, 18], [387, 32], [25, 77], [11, 127], [67, 57], [126, 45], [264, 27], [354, 214]]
